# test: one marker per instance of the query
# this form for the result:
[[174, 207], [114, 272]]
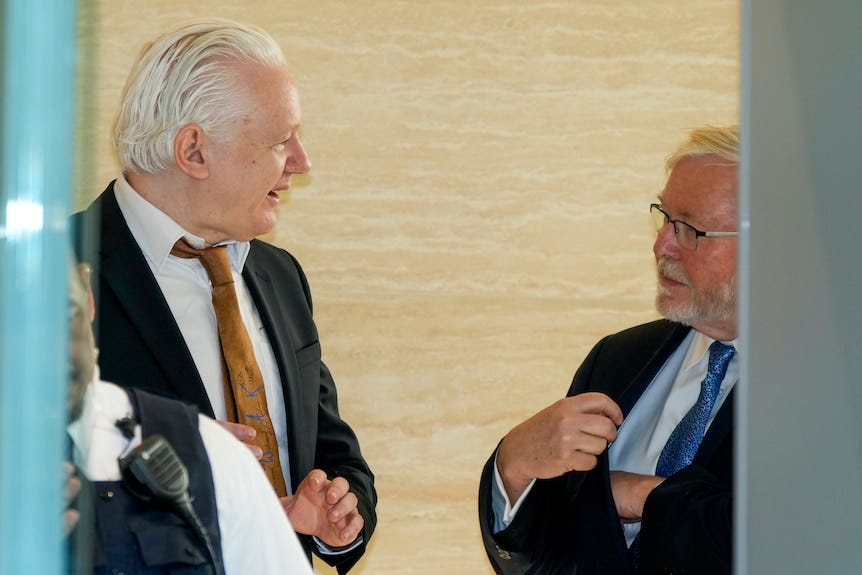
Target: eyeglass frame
[[697, 233]]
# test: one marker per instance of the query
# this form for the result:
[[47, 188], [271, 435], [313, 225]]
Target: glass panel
[[37, 110]]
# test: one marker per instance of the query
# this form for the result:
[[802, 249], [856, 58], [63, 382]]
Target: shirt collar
[[103, 405], [699, 349], [156, 233]]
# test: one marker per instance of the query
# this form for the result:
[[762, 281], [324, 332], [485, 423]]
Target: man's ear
[[189, 151]]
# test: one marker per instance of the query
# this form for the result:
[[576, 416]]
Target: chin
[[675, 311], [265, 225]]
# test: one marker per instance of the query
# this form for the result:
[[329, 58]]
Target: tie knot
[[214, 259], [720, 355]]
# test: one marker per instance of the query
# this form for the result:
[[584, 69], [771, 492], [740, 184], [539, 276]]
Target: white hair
[[186, 76]]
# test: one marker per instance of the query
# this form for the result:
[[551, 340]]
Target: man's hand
[[567, 436], [630, 492], [243, 433], [325, 509], [70, 492]]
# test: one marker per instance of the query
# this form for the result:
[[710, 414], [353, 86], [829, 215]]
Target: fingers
[[571, 421], [244, 433], [333, 500], [581, 461], [592, 443], [73, 484], [316, 480], [354, 524], [336, 490], [339, 499], [594, 419], [588, 414], [343, 514], [565, 436], [600, 427], [70, 491], [343, 507], [238, 430], [70, 520], [597, 403]]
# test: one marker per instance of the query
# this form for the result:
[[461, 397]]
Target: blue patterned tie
[[680, 449]]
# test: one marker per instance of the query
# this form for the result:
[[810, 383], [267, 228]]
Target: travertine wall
[[477, 212]]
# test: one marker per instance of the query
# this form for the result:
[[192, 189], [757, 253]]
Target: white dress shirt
[[256, 536], [187, 289], [649, 424]]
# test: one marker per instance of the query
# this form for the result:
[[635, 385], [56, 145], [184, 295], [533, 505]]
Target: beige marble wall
[[477, 213]]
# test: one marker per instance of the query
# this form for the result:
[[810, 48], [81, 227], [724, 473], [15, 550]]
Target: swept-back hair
[[186, 76], [720, 141]]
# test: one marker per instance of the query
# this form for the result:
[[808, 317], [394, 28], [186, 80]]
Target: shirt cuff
[[327, 550], [504, 511]]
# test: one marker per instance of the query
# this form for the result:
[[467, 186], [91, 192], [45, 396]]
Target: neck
[[174, 196], [721, 331]]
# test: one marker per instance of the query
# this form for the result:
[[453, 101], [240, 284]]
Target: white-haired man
[[190, 304]]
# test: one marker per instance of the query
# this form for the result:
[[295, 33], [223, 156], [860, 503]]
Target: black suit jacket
[[569, 524], [140, 346]]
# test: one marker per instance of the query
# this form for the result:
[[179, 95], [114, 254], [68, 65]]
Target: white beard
[[716, 303]]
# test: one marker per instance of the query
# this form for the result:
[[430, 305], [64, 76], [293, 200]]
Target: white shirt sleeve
[[256, 535]]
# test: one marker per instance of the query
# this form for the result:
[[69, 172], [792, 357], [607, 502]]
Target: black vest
[[131, 537]]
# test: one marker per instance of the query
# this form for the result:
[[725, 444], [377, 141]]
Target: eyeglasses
[[686, 234]]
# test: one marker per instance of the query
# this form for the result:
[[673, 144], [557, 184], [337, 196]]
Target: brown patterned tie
[[245, 399]]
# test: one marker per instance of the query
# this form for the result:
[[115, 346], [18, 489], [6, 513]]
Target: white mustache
[[671, 270]]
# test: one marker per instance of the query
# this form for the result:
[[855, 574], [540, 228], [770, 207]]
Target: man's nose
[[297, 161], [665, 242]]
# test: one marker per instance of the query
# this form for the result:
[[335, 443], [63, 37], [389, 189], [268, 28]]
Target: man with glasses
[[632, 472]]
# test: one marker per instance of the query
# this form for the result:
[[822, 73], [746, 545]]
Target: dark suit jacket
[[140, 346], [570, 522]]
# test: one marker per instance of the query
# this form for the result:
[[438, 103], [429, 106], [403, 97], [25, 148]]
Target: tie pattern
[[245, 398], [681, 447]]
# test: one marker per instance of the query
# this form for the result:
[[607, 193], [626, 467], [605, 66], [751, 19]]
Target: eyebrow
[[682, 217]]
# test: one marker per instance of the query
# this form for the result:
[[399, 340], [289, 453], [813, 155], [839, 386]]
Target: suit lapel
[[666, 346], [124, 270]]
